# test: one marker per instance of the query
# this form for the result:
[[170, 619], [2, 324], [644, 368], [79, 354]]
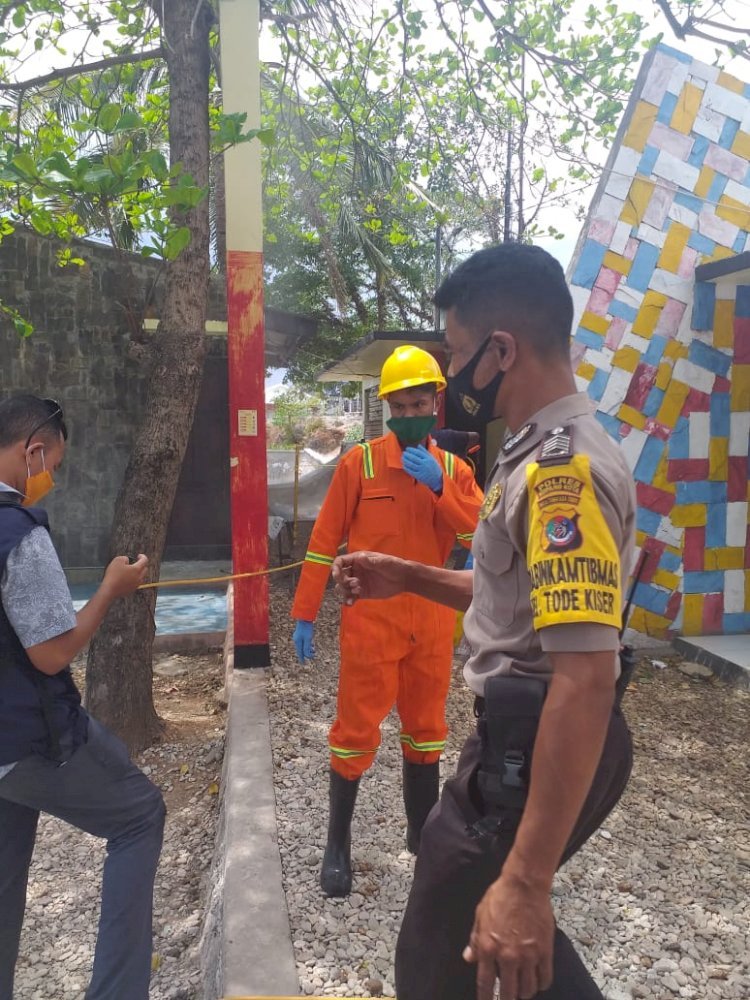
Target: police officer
[[554, 545], [54, 758]]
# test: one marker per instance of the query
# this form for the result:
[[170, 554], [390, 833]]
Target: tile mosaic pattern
[[666, 359]]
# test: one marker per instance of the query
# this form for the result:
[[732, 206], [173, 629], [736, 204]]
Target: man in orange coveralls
[[402, 495]]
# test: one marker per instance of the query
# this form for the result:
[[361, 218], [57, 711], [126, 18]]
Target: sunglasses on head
[[55, 416]]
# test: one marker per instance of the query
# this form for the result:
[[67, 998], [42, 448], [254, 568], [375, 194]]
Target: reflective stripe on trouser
[[424, 746], [417, 685], [454, 870], [343, 754]]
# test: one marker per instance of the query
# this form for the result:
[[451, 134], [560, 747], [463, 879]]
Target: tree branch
[[708, 23], [678, 30], [734, 47], [93, 67]]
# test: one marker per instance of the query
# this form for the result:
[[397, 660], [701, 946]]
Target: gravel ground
[[657, 901], [65, 879]]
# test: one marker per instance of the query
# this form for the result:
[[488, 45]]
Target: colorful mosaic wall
[[668, 359]]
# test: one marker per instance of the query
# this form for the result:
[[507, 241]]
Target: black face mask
[[477, 405]]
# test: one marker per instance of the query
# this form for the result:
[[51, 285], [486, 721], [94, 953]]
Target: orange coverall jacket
[[374, 505]]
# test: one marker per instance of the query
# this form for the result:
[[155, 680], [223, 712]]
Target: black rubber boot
[[421, 787], [336, 873]]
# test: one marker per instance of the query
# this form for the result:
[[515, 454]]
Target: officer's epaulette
[[557, 447]]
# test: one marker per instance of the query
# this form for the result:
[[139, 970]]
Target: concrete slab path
[[258, 957]]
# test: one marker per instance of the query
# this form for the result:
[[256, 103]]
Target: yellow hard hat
[[408, 367]]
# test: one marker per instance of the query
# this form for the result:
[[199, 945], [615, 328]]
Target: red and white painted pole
[[240, 72]]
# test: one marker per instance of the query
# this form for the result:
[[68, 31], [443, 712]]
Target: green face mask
[[411, 430]]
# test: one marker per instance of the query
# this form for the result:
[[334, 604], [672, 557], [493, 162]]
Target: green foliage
[[477, 117], [355, 433], [382, 125], [297, 415], [85, 153], [394, 122], [21, 325]]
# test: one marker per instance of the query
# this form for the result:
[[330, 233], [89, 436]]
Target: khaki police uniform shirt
[[553, 548]]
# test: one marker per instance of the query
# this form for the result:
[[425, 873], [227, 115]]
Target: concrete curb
[[257, 956], [246, 946], [187, 642], [725, 670]]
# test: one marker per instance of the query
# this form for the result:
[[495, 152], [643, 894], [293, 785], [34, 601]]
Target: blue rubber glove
[[424, 467], [304, 640], [469, 562]]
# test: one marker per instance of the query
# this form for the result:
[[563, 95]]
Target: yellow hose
[[220, 579]]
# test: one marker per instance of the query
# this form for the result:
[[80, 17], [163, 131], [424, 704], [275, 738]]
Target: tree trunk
[[219, 191], [508, 190], [380, 301], [118, 673]]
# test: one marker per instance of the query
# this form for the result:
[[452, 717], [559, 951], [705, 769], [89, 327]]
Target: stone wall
[[85, 352], [665, 358]]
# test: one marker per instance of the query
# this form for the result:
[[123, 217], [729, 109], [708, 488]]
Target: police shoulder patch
[[557, 447], [572, 557], [513, 440]]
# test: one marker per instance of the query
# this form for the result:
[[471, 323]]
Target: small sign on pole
[[247, 423]]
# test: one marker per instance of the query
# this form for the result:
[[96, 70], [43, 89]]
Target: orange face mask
[[38, 485]]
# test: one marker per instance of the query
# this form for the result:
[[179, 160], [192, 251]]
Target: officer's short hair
[[512, 287], [24, 415]]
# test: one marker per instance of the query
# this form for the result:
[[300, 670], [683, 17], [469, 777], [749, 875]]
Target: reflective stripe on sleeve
[[367, 466], [319, 558]]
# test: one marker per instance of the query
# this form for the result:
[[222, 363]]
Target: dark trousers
[[101, 791], [454, 870]]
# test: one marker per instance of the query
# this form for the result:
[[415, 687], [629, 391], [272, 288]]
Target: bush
[[325, 439], [294, 413]]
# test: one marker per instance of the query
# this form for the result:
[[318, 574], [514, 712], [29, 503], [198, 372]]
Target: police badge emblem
[[561, 533], [469, 404], [491, 499]]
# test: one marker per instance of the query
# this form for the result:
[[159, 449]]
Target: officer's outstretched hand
[[304, 640], [122, 576], [424, 467], [368, 576], [513, 939]]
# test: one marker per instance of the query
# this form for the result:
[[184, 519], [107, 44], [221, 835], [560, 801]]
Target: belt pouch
[[512, 707], [627, 668]]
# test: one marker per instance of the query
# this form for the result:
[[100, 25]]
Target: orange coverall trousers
[[411, 669]]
